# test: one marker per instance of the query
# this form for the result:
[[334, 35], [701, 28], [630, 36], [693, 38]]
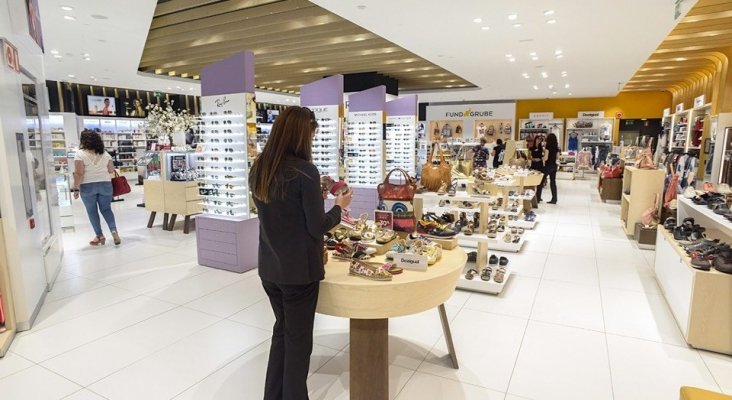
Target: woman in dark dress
[[480, 154], [551, 150], [286, 189], [537, 153]]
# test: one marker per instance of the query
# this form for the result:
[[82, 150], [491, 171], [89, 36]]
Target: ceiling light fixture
[[509, 55], [564, 74], [57, 56], [69, 17], [681, 59], [54, 51], [87, 58], [66, 8], [72, 76], [532, 54], [570, 93], [516, 25], [548, 13], [551, 21], [551, 86], [512, 17], [554, 92], [560, 55], [557, 52], [478, 20], [536, 87], [512, 59], [566, 85], [485, 28], [544, 75], [168, 88], [535, 58]]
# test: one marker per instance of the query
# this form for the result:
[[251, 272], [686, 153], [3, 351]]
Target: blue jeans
[[98, 195]]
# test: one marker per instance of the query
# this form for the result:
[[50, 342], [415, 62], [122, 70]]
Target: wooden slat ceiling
[[688, 49], [294, 42]]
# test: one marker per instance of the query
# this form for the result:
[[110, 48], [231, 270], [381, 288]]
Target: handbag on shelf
[[464, 164], [120, 185], [645, 159], [398, 198], [434, 175]]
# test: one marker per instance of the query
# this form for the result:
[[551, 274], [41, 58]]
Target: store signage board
[[541, 115], [472, 111], [411, 262], [384, 219], [108, 125], [680, 107], [10, 54], [591, 114], [699, 102], [666, 112]]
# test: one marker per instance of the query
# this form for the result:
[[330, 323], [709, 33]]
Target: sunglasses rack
[[326, 142], [400, 143], [364, 149], [222, 166]]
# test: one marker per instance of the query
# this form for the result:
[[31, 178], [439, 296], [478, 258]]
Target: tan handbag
[[649, 216], [464, 165], [434, 175], [645, 159]]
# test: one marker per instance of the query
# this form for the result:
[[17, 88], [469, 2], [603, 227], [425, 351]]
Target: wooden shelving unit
[[639, 188]]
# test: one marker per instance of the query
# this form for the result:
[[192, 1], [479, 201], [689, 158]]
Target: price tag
[[411, 261]]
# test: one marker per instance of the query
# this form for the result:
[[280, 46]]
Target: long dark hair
[[291, 135], [539, 139], [551, 142], [90, 140]]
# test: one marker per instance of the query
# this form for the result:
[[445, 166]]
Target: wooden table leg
[[369, 376], [186, 222], [171, 224], [152, 219], [448, 335], [165, 221]]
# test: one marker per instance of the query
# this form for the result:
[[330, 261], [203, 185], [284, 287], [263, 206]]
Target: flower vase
[[178, 139]]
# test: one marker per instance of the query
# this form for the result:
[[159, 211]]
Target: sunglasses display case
[[326, 145], [222, 162], [400, 143], [364, 149]]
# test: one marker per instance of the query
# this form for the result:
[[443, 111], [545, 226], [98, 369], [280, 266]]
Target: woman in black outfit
[[286, 189], [550, 167], [537, 153], [498, 153]]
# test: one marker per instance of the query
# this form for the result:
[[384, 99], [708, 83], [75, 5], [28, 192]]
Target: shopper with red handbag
[[92, 169]]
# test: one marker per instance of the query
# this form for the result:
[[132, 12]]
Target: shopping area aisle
[[582, 318]]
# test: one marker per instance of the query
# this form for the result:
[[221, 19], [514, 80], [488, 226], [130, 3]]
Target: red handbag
[[120, 185], [398, 198]]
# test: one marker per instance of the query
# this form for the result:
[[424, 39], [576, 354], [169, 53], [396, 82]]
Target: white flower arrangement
[[164, 121]]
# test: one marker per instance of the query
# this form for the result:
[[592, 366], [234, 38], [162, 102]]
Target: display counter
[[369, 305], [172, 199]]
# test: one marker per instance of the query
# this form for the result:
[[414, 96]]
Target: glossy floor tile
[[582, 317]]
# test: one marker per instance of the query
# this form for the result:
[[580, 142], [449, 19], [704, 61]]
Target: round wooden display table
[[370, 304]]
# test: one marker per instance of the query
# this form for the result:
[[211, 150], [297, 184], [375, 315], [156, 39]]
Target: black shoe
[[472, 256], [552, 202], [493, 260]]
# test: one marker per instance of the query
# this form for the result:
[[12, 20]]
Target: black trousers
[[292, 340], [550, 172]]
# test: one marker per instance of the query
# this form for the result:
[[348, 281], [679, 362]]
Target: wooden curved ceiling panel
[[689, 52], [295, 42]]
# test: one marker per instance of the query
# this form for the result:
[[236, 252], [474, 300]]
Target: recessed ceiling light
[[511, 59], [509, 55], [72, 76], [551, 21], [560, 56], [570, 93], [99, 16], [87, 58], [516, 25], [544, 75], [169, 88], [66, 8], [535, 58], [532, 54], [190, 88], [536, 87], [69, 17], [554, 92], [478, 20], [564, 73], [557, 52], [57, 56], [54, 51], [485, 28], [551, 86], [566, 85], [548, 12], [681, 59], [512, 17]]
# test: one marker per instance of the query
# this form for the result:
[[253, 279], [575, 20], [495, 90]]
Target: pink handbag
[[650, 215]]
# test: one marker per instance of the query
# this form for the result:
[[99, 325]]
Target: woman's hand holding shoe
[[344, 200]]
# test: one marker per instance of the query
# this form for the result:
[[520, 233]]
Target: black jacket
[[291, 228]]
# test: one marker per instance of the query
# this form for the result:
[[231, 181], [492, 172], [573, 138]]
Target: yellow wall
[[631, 104]]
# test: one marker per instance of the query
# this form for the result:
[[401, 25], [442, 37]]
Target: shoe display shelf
[[640, 187], [506, 212], [701, 301], [477, 240], [522, 223], [702, 215]]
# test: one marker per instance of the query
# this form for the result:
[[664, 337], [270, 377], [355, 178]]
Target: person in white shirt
[[92, 169]]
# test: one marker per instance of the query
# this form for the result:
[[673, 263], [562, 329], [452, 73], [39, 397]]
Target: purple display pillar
[[373, 99], [231, 75], [325, 92], [406, 105]]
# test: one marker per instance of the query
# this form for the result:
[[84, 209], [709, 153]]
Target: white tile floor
[[582, 318]]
